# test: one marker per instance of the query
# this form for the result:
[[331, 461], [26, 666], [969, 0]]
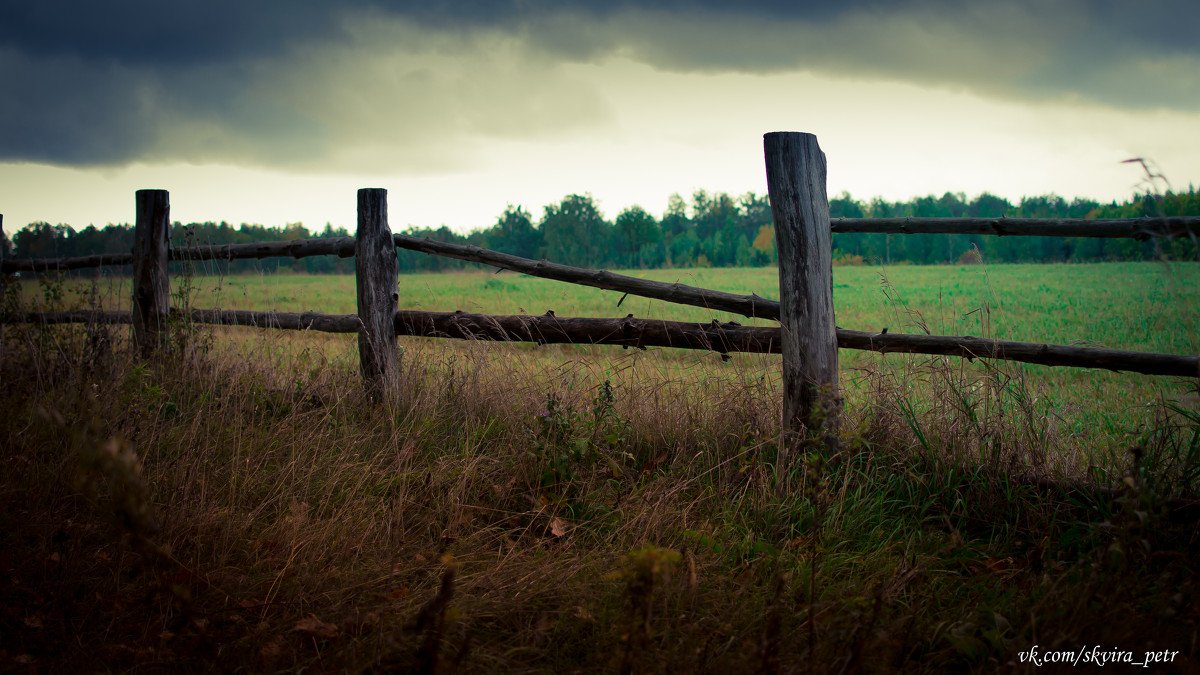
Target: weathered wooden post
[[376, 271], [151, 285], [800, 208]]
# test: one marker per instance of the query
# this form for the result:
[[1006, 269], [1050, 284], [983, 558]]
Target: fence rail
[[807, 336], [723, 338], [1142, 229]]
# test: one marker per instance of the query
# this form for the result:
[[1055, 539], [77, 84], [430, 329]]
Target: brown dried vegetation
[[240, 505]]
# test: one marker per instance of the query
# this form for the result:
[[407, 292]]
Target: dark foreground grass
[[256, 512]]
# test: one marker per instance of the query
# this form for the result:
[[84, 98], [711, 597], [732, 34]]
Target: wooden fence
[[807, 336]]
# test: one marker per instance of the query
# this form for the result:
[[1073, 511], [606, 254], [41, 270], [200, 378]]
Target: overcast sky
[[274, 111]]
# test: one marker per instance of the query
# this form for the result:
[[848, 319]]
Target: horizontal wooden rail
[[1026, 352], [50, 264], [325, 323], [1136, 228], [626, 332], [343, 247], [747, 305], [97, 316], [633, 332]]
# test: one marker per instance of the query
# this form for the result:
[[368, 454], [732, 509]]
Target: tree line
[[712, 230]]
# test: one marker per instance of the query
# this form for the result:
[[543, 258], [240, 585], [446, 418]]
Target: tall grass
[[239, 504]]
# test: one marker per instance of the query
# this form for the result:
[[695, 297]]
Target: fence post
[[800, 208], [376, 272], [151, 285]]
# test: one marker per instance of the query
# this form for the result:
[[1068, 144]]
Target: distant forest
[[713, 230]]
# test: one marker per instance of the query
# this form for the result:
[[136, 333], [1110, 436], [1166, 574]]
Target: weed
[[569, 442]]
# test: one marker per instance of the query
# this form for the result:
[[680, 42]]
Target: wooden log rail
[[746, 305], [343, 247], [65, 264], [634, 332], [626, 332], [681, 294], [1141, 229]]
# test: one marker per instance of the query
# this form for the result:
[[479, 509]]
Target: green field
[[1136, 306], [1148, 307]]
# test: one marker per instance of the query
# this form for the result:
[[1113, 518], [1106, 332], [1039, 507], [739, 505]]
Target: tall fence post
[[377, 276], [151, 285], [800, 208]]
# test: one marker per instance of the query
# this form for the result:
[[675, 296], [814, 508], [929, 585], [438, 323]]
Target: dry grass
[[242, 506]]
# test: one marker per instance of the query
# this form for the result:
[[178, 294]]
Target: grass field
[[241, 505], [1138, 306], [1148, 307]]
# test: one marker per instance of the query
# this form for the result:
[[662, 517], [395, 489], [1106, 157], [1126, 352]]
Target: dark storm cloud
[[109, 83], [1124, 53], [139, 32], [70, 110], [56, 110], [1138, 55], [97, 83], [154, 32]]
